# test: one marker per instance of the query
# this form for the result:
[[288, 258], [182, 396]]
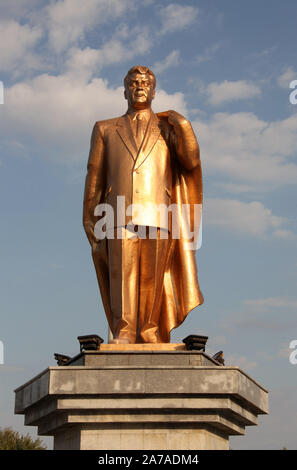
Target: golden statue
[[144, 161]]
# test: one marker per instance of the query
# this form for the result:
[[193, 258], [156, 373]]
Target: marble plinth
[[141, 399]]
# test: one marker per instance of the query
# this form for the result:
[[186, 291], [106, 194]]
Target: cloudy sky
[[227, 66]]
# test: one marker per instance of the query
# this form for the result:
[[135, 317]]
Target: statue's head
[[140, 84]]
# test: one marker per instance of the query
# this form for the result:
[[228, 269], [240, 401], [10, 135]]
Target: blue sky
[[227, 66]]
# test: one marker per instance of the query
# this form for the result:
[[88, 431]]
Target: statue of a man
[[145, 161]]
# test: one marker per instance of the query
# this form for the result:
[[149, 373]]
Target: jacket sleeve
[[95, 178], [185, 144]]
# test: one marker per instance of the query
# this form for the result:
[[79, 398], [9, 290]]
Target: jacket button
[[137, 190]]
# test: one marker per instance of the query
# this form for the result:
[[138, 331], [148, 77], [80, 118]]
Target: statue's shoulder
[[162, 119], [106, 123], [163, 124], [172, 116]]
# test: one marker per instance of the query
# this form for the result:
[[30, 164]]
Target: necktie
[[140, 128]]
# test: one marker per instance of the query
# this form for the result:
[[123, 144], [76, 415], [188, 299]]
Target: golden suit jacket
[[142, 175], [166, 169]]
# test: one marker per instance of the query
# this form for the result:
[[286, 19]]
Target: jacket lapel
[[150, 138], [125, 132]]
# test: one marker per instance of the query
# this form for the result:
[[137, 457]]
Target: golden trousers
[[137, 267]]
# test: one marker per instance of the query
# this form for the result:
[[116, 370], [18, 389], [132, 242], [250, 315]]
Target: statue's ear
[[153, 94]]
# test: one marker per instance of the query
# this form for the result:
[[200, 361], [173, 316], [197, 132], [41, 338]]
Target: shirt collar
[[146, 113]]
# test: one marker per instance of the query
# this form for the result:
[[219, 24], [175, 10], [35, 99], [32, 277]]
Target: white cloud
[[235, 188], [171, 60], [284, 234], [266, 313], [121, 47], [286, 77], [82, 63], [249, 218], [17, 42], [55, 114], [227, 91], [249, 149], [165, 101], [16, 8], [67, 24], [69, 20], [208, 53], [176, 17], [261, 321], [263, 53], [85, 62], [271, 302], [239, 361]]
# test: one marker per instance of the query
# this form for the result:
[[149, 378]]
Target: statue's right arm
[[183, 139], [94, 181]]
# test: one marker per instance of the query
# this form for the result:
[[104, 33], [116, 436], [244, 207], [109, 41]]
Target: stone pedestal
[[141, 399]]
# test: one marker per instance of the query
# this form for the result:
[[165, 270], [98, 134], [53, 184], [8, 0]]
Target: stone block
[[141, 400]]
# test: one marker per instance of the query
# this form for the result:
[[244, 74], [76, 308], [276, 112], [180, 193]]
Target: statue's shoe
[[149, 336]]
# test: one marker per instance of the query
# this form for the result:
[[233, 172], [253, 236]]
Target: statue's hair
[[141, 69]]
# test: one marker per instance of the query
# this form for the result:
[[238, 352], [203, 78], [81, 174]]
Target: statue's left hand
[[89, 229], [174, 118]]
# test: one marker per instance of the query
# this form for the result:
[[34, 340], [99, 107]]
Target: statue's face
[[139, 91]]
